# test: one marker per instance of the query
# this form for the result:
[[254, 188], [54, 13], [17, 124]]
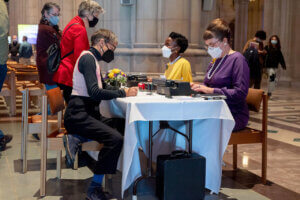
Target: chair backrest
[[56, 100], [254, 99]]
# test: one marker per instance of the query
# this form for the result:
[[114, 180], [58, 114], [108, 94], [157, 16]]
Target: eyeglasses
[[212, 44], [54, 14]]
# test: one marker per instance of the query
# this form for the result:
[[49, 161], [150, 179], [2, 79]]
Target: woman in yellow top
[[178, 68]]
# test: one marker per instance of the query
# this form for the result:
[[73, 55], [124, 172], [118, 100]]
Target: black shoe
[[71, 144], [4, 140], [95, 192], [36, 136]]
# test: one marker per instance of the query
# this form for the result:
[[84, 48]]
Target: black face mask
[[108, 56], [93, 22]]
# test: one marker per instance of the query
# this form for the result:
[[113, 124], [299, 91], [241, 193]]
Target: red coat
[[47, 35], [75, 38]]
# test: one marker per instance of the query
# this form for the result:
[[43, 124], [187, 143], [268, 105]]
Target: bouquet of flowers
[[115, 77]]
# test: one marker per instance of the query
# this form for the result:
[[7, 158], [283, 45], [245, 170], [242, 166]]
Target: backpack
[[54, 55], [251, 55]]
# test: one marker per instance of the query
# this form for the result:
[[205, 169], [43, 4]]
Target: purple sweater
[[232, 80]]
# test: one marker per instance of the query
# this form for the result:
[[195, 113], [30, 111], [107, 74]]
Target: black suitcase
[[180, 176]]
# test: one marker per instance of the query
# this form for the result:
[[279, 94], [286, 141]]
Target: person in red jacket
[[75, 40]]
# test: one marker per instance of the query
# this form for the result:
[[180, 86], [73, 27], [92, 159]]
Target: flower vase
[[115, 84]]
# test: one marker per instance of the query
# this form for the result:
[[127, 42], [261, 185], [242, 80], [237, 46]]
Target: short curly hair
[[89, 6], [106, 34], [180, 40]]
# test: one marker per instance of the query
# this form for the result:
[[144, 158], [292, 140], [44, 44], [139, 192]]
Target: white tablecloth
[[212, 128]]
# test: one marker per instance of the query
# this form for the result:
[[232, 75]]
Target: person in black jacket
[[274, 57], [83, 116], [14, 49]]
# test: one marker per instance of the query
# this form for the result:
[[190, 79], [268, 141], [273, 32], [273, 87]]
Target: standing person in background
[[256, 72], [4, 26], [25, 52], [74, 40], [178, 68], [14, 49], [274, 57], [48, 34]]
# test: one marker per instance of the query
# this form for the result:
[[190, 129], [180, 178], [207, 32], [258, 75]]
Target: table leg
[[150, 149], [190, 125], [149, 163]]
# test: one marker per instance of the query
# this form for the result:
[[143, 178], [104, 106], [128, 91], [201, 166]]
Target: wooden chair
[[53, 140], [9, 90], [31, 124], [250, 135]]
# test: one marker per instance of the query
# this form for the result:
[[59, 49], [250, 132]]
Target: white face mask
[[166, 52], [274, 41], [214, 52]]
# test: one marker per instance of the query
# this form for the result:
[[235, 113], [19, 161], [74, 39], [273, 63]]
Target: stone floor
[[283, 163]]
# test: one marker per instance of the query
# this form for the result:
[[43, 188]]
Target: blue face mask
[[54, 20], [274, 41]]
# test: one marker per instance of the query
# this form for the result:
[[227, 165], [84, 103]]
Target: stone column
[[241, 24]]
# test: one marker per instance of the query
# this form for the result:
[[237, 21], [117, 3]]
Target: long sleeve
[[81, 43], [21, 51], [87, 67], [240, 83], [282, 62]]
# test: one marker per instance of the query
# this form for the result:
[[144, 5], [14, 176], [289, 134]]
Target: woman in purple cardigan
[[48, 34], [228, 74]]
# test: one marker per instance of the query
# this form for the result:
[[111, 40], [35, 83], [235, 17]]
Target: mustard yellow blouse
[[180, 70]]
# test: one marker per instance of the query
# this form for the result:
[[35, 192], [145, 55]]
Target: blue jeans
[[3, 72], [49, 87]]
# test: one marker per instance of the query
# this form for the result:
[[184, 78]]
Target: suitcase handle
[[179, 153]]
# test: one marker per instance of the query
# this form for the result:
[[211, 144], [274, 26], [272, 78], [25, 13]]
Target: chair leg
[[234, 154], [264, 163], [58, 164], [24, 131], [76, 161], [104, 183], [24, 151], [43, 175]]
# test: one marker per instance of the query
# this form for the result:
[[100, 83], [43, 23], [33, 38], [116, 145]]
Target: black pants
[[256, 82], [67, 91], [83, 118]]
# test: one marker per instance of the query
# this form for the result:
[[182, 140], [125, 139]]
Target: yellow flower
[[111, 75], [115, 71]]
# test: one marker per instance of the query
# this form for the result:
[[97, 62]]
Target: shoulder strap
[[73, 49], [70, 27]]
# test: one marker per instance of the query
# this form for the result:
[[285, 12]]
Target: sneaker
[[4, 140], [71, 144], [95, 192]]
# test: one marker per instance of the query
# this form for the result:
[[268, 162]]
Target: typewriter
[[171, 88], [134, 79]]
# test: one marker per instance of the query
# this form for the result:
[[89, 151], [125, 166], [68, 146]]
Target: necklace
[[210, 72]]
